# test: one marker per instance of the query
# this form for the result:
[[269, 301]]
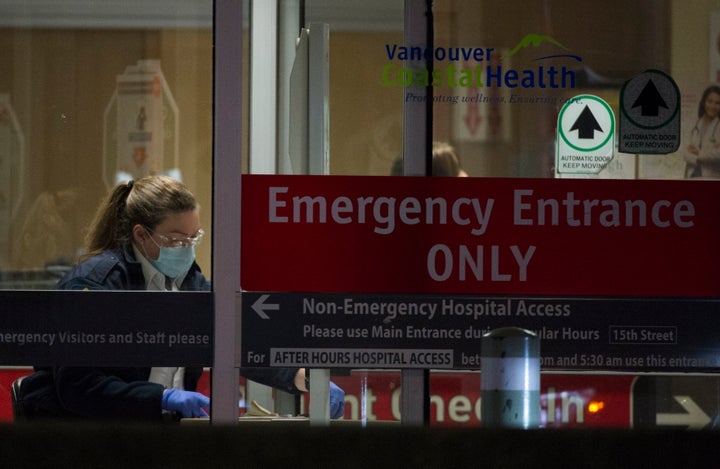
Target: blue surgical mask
[[174, 261]]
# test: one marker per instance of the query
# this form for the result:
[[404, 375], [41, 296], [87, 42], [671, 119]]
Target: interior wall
[[60, 82], [365, 116]]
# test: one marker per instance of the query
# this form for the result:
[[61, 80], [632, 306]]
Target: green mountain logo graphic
[[533, 40]]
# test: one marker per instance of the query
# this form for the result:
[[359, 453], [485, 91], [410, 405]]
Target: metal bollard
[[510, 379]]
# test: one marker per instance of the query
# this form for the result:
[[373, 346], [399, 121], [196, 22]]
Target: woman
[[445, 161], [143, 237], [703, 153]]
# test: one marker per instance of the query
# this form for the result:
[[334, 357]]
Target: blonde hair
[[147, 202]]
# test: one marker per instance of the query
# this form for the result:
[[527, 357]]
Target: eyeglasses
[[179, 241]]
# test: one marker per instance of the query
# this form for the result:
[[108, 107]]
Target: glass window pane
[[499, 109], [366, 117], [91, 95]]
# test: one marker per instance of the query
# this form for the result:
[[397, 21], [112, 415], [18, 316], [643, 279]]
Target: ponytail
[[109, 228]]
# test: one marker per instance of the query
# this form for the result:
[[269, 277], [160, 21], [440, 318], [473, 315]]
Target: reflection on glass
[[91, 96]]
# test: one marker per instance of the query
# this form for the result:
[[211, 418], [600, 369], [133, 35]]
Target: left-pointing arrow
[[260, 306]]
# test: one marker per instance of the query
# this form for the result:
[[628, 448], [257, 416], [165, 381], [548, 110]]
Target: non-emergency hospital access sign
[[445, 331], [480, 236]]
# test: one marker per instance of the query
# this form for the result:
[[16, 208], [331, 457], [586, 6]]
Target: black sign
[[397, 331], [676, 402], [106, 328], [649, 114]]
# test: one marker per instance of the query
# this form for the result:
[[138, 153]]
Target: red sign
[[575, 401], [7, 376], [480, 236], [566, 401]]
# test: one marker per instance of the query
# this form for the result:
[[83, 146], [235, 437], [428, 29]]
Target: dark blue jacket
[[117, 393]]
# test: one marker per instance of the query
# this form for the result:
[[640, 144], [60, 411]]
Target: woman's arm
[[101, 394], [284, 379]]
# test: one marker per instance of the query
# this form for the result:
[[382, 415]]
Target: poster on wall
[[682, 164], [141, 125]]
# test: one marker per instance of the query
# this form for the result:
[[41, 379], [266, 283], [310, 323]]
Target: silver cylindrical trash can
[[510, 379]]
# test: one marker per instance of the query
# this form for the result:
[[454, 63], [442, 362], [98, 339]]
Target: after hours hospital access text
[[381, 215]]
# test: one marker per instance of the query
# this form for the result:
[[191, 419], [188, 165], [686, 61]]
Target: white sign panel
[[141, 125], [140, 130], [586, 130]]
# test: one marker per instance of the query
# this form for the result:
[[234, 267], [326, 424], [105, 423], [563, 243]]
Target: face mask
[[174, 261]]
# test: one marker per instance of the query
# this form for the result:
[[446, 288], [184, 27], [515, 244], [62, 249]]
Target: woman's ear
[[139, 234]]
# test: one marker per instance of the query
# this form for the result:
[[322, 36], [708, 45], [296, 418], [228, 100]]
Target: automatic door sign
[[586, 130], [649, 114]]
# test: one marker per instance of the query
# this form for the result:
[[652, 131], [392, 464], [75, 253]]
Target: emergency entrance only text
[[382, 215]]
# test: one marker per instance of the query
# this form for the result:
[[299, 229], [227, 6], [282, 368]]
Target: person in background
[[702, 155], [445, 162], [143, 237]]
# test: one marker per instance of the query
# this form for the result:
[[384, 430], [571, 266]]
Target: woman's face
[[712, 105], [176, 227]]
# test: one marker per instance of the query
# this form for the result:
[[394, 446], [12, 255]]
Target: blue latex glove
[[186, 403], [337, 401]]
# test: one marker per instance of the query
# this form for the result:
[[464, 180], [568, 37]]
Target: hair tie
[[130, 184]]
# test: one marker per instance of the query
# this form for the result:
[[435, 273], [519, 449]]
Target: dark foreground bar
[[265, 445]]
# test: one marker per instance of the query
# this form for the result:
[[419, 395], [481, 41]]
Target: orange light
[[595, 406]]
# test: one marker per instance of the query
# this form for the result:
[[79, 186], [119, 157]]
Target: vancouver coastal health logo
[[493, 74]]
